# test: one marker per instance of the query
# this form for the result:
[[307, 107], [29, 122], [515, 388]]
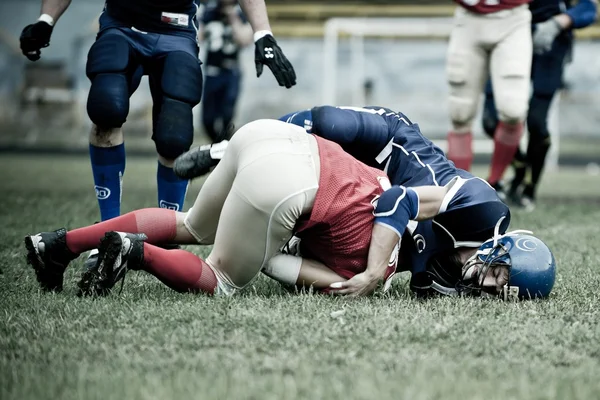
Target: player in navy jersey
[[157, 38], [553, 22], [470, 212], [225, 30]]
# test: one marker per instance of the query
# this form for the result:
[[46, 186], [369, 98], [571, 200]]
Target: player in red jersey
[[489, 37], [273, 182]]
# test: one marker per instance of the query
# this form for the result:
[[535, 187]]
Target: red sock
[[159, 224], [460, 149], [180, 270], [506, 142]]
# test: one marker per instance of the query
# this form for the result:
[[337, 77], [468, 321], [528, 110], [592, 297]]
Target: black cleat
[[199, 160], [48, 254], [118, 253]]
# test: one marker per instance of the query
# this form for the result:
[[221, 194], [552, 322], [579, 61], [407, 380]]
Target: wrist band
[[47, 19], [261, 34]]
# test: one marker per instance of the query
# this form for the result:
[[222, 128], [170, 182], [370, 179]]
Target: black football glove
[[267, 52], [35, 37]]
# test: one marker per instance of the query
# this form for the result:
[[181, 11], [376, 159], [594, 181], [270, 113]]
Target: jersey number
[[219, 38]]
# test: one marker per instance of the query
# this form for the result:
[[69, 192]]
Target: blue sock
[[108, 167], [171, 188]]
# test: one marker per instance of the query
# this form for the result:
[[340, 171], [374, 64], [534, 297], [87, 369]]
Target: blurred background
[[343, 53]]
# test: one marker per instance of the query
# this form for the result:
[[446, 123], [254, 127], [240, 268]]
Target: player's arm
[[581, 15], [299, 271], [241, 30], [266, 50], [394, 209], [37, 36]]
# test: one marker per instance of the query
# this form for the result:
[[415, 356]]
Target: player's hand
[[544, 35], [359, 285], [267, 52], [35, 37]]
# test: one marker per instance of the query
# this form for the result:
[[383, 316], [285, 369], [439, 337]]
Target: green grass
[[151, 343]]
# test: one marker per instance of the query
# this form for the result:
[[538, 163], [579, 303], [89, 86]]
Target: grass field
[[151, 343]]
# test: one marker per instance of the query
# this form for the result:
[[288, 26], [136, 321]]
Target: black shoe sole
[[193, 165], [48, 281], [97, 281]]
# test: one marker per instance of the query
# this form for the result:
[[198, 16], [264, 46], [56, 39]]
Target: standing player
[[225, 29], [157, 38], [553, 22], [489, 37]]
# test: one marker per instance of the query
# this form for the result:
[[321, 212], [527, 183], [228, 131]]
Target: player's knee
[[462, 111], [181, 85], [537, 126], [512, 98], [512, 112], [174, 131], [108, 98]]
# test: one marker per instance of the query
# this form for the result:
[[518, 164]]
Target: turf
[[151, 343]]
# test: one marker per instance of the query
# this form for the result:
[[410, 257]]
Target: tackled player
[[274, 181], [470, 216]]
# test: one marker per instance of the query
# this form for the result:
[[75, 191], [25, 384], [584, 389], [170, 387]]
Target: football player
[[157, 38], [470, 212], [489, 37], [275, 181], [225, 30], [553, 23]]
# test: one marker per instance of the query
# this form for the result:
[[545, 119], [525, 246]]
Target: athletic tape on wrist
[[47, 19]]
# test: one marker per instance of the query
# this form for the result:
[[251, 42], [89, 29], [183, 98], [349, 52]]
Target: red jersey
[[490, 6], [338, 231]]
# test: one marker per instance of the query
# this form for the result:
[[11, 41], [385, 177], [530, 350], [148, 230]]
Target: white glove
[[544, 35]]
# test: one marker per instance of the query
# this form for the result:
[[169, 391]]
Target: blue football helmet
[[531, 265]]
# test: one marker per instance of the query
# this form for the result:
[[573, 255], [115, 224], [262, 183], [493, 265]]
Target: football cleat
[[90, 261], [48, 254], [118, 253], [199, 160]]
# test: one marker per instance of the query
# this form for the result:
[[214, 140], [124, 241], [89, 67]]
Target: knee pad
[[512, 98], [107, 67], [462, 110], [181, 85]]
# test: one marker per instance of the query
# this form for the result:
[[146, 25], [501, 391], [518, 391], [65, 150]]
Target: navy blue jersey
[[583, 13], [388, 140], [159, 16], [221, 49]]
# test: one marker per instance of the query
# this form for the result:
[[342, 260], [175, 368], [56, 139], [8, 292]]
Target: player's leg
[[466, 70], [212, 100], [510, 67], [490, 123], [49, 253], [275, 167], [489, 118], [547, 78], [115, 73], [301, 118], [176, 85], [231, 94]]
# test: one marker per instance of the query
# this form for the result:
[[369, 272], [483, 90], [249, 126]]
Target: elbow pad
[[583, 14], [396, 207]]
